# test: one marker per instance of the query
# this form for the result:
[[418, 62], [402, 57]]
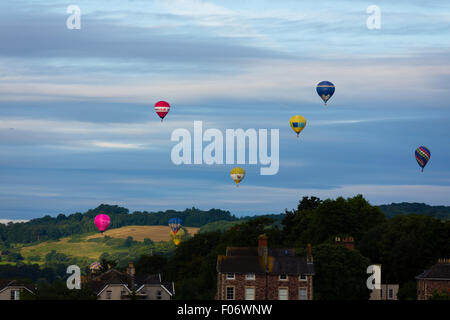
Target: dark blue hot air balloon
[[325, 90], [175, 224]]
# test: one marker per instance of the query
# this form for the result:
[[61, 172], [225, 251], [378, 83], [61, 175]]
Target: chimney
[[309, 258], [347, 242], [131, 272], [262, 248]]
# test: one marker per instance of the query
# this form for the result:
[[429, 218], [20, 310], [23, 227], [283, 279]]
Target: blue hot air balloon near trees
[[423, 155], [325, 90], [175, 224]]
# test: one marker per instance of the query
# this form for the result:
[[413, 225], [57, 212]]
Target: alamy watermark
[[213, 153], [374, 20], [74, 20], [374, 281]]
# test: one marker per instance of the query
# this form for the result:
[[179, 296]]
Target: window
[[302, 294], [250, 276], [249, 293], [282, 294], [15, 294], [230, 293], [159, 295], [230, 276], [303, 277], [283, 277], [108, 295], [381, 293], [391, 293]]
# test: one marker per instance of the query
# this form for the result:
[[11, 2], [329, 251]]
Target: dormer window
[[250, 276], [303, 277], [283, 277], [230, 276]]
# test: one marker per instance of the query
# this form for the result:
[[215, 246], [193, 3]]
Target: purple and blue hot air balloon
[[423, 155], [175, 224], [325, 90]]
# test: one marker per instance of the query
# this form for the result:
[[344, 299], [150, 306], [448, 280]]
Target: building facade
[[11, 289], [435, 279], [261, 273], [115, 285]]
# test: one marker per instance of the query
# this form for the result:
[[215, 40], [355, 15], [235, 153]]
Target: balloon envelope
[[102, 222], [175, 224], [298, 123], [325, 90], [237, 174], [162, 109], [423, 155], [176, 237]]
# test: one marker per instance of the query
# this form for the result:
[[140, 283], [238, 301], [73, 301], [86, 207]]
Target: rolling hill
[[89, 247]]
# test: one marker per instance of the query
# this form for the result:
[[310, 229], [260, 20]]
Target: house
[[10, 289], [116, 285], [262, 273], [347, 242], [386, 292], [435, 279]]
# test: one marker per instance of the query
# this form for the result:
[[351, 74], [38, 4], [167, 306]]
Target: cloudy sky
[[77, 126]]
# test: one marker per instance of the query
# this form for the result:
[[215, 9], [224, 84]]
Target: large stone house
[[262, 273], [115, 285], [435, 279], [11, 289]]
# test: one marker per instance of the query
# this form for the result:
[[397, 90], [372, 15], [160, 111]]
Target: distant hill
[[393, 209], [53, 228]]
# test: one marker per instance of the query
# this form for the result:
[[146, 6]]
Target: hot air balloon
[[175, 224], [237, 174], [102, 222], [298, 123], [423, 155], [177, 237], [95, 266], [325, 90], [162, 109]]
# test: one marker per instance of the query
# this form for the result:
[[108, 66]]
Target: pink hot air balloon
[[102, 222], [162, 109]]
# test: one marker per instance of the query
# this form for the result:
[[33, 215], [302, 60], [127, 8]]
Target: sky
[[78, 129]]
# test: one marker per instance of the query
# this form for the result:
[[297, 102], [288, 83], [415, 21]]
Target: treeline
[[52, 228], [393, 209], [405, 246]]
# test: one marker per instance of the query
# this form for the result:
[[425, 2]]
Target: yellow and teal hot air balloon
[[298, 123], [237, 174], [177, 237]]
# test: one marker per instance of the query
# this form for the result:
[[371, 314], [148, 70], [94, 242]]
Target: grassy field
[[86, 247], [139, 233]]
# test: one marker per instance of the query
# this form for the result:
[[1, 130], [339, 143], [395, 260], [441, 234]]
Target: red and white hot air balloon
[[162, 109]]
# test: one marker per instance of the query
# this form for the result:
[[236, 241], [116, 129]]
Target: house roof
[[440, 271], [114, 277], [15, 283], [246, 260]]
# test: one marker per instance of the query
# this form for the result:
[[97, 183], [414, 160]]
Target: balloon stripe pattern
[[175, 224], [423, 155], [325, 90], [162, 109]]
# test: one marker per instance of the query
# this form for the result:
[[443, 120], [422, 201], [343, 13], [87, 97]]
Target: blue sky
[[77, 126]]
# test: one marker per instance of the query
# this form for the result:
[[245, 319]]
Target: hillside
[[139, 233], [54, 228], [438, 212], [86, 248]]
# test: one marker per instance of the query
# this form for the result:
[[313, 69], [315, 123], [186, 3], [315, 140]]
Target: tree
[[340, 273], [151, 264], [406, 245]]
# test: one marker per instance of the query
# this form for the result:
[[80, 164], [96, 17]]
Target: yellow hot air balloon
[[237, 174], [176, 237], [298, 123]]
